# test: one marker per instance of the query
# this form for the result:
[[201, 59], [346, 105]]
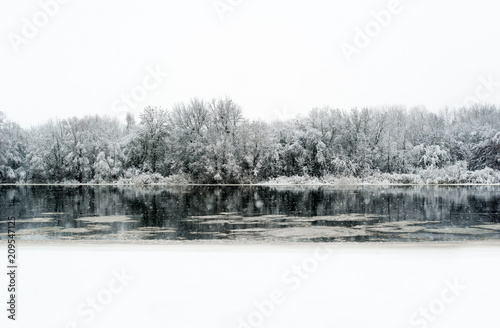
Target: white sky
[[275, 58]]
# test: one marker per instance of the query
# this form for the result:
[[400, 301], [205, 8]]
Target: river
[[243, 214]]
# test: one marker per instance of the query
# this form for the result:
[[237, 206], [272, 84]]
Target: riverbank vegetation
[[211, 142]]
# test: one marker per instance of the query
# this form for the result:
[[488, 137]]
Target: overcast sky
[[275, 58]]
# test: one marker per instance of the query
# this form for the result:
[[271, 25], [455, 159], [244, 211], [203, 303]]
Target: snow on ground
[[64, 285]]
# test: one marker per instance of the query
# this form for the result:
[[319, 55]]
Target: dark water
[[367, 213]]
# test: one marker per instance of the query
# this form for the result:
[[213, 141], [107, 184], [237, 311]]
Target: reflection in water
[[363, 213]]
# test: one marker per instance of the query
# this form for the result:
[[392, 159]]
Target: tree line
[[212, 142]]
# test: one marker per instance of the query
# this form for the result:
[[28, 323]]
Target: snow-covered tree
[[12, 151]]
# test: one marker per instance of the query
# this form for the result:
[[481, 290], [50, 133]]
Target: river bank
[[317, 285]]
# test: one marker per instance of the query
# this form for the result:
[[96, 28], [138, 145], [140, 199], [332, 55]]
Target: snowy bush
[[153, 178], [394, 178]]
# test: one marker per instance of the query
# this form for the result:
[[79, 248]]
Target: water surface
[[247, 213]]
